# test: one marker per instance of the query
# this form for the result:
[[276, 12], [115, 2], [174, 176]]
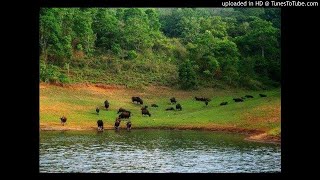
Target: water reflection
[[155, 151]]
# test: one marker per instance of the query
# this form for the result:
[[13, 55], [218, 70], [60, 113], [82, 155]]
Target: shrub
[[51, 73], [132, 54], [79, 47], [116, 49]]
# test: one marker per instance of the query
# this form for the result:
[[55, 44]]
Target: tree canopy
[[191, 47]]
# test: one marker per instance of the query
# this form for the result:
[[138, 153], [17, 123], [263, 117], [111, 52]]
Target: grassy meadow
[[79, 101]]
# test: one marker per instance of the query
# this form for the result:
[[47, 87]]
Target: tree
[[54, 44], [83, 30], [107, 28], [261, 36], [187, 75]]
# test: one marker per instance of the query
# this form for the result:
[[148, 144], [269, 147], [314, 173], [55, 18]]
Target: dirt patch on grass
[[268, 113]]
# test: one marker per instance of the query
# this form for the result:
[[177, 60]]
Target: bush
[[51, 73], [116, 49], [79, 47], [132, 54]]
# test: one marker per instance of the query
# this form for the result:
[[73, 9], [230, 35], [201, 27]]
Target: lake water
[[154, 151]]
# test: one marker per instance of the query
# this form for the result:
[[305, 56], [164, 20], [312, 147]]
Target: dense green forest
[[178, 47]]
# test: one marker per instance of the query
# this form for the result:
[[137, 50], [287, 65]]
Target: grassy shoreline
[[259, 118]]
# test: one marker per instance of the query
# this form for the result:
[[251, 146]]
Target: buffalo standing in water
[[100, 125], [63, 120], [106, 104], [117, 124], [129, 125]]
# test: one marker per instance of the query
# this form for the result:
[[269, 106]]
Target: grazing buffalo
[[206, 102], [262, 95], [106, 104], [170, 109], [63, 120], [145, 112], [129, 125], [202, 99], [179, 107], [144, 107], [123, 110], [97, 110], [137, 99], [238, 100], [100, 125], [223, 103], [173, 100], [248, 96], [117, 124], [125, 115], [154, 105]]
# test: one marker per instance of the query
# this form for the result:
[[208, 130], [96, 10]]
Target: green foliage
[[51, 73], [116, 49], [187, 76], [132, 54], [79, 47], [233, 47]]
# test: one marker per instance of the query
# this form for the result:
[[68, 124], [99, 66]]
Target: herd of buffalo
[[125, 114]]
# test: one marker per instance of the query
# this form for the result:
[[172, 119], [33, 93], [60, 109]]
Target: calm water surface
[[155, 151]]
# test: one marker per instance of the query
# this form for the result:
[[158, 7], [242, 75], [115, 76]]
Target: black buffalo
[[262, 95], [144, 107], [248, 96], [154, 105], [125, 115], [145, 112], [223, 103], [137, 99], [202, 99], [63, 120], [170, 109], [173, 100], [106, 104], [123, 110], [206, 102], [238, 100], [179, 107], [117, 124], [97, 110], [100, 125], [129, 125]]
